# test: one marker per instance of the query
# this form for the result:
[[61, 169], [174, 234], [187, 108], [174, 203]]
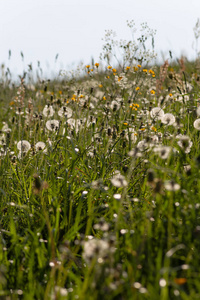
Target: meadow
[[100, 180]]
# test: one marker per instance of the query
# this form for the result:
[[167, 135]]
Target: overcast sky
[[74, 28]]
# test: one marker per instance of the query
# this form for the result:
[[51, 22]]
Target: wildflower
[[104, 98], [171, 185], [128, 68], [5, 128], [152, 92], [119, 180], [163, 151], [198, 111], [180, 281], [65, 112], [52, 125], [139, 66], [115, 105], [184, 142], [197, 124], [19, 111], [132, 135], [88, 66], [23, 146], [100, 85], [95, 248], [40, 146], [157, 113], [109, 67], [3, 140], [48, 111], [96, 65], [135, 152], [114, 70], [153, 128], [137, 88], [168, 119], [142, 145]]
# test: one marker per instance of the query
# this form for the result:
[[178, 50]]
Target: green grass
[[70, 227]]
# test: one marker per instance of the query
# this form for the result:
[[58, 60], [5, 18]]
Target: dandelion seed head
[[197, 124], [40, 146], [52, 125], [168, 119], [156, 113], [170, 185], [48, 111], [23, 146], [162, 282], [119, 181]]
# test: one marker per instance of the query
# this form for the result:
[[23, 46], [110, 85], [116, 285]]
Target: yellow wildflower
[[100, 85], [109, 67], [104, 98], [88, 66], [153, 128], [137, 88], [97, 65]]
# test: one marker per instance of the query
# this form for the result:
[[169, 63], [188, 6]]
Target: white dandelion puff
[[40, 146], [119, 181], [65, 112], [157, 113], [52, 125], [168, 119], [163, 151], [23, 146], [184, 142], [197, 124], [48, 111], [171, 185]]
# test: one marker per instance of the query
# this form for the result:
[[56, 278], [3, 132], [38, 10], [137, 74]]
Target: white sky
[[75, 28]]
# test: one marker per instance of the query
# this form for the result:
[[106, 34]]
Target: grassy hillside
[[99, 183]]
